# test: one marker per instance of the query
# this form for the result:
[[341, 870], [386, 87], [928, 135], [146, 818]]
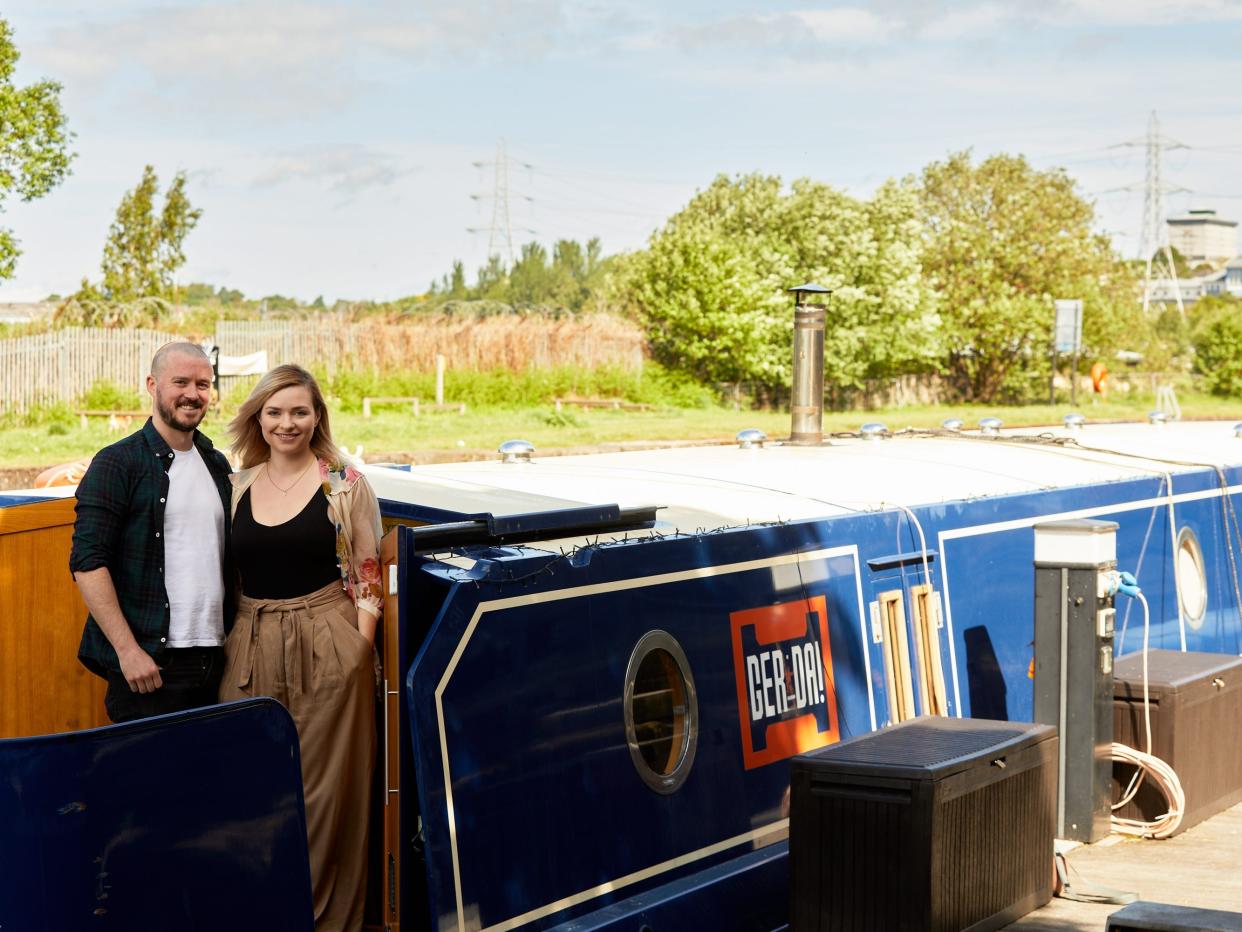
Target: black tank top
[[286, 560]]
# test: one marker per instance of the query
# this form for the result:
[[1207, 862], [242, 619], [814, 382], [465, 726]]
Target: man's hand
[[139, 670], [137, 666]]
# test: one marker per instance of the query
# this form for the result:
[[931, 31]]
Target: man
[[149, 547]]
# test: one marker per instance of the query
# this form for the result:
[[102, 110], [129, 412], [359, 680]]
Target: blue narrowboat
[[597, 668]]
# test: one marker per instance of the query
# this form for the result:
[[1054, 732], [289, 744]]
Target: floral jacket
[[354, 511]]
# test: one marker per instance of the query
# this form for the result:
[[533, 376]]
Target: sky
[[349, 149]]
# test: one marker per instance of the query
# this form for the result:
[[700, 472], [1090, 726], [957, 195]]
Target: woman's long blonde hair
[[247, 437]]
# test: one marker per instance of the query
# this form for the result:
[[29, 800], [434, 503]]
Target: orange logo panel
[[782, 661]]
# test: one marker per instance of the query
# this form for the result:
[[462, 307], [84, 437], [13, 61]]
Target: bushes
[[506, 388], [57, 418], [60, 418], [1218, 349], [108, 396]]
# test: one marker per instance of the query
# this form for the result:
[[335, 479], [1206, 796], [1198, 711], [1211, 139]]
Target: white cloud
[[348, 169], [967, 22], [950, 20], [281, 58], [209, 40], [270, 58], [844, 24], [285, 60], [786, 29], [1142, 12]]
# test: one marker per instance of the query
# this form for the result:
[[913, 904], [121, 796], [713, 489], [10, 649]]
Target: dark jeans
[[191, 678]]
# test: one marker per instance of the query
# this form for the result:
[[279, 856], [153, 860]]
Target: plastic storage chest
[[935, 824], [1196, 720]]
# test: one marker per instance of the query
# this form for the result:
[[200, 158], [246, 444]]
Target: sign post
[[1066, 338]]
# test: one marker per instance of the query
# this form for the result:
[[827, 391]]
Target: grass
[[482, 429]]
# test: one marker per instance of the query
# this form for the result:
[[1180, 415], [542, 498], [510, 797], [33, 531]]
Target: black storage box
[[931, 825], [1196, 728]]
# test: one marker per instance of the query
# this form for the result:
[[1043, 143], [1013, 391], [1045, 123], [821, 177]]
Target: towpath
[[1200, 867]]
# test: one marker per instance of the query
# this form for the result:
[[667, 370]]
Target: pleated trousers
[[308, 654]]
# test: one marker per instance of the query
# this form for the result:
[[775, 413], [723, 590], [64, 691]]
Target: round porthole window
[[661, 712], [1191, 578]]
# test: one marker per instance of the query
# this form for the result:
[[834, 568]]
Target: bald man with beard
[[150, 544]]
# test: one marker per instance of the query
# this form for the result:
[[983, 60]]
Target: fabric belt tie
[[304, 642]]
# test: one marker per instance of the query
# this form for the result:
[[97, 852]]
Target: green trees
[[200, 294], [144, 249], [711, 285], [1217, 325], [954, 271], [1000, 242], [34, 141], [565, 281], [1219, 356]]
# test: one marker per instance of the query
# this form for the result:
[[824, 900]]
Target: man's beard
[[169, 416]]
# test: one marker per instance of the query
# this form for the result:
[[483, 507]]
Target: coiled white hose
[[1147, 765]]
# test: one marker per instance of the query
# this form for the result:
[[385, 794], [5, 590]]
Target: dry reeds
[[60, 365], [476, 343]]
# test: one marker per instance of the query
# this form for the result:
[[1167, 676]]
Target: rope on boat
[[1229, 517], [1228, 513]]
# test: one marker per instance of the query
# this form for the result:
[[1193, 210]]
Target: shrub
[[562, 418], [59, 414], [1218, 349], [108, 396], [239, 391], [522, 388]]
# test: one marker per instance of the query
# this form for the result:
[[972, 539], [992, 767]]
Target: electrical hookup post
[[1066, 338], [1075, 621]]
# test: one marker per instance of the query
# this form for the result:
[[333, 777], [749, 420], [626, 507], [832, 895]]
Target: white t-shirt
[[194, 553]]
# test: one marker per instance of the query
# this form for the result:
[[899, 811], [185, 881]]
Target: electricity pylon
[[1154, 236], [500, 230]]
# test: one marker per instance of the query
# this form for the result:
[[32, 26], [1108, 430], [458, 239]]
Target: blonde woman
[[306, 532]]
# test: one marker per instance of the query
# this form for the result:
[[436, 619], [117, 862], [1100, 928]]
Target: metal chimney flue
[[807, 402]]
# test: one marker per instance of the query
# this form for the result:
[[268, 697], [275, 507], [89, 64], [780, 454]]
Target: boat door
[[907, 644], [389, 762], [412, 600]]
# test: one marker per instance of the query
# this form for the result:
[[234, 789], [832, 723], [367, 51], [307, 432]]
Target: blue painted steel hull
[[520, 802], [532, 810], [191, 821]]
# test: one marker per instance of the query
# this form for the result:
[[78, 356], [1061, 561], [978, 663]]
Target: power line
[[591, 174], [594, 192]]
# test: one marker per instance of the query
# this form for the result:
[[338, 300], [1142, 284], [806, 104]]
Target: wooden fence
[[62, 364]]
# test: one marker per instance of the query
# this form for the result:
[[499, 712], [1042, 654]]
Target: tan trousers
[[308, 654]]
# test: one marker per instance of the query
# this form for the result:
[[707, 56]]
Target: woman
[[306, 532]]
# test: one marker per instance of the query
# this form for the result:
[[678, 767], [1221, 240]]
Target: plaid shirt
[[120, 520]]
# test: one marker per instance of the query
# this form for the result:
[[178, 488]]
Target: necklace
[[285, 491]]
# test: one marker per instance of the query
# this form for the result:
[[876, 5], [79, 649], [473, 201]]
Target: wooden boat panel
[[43, 687]]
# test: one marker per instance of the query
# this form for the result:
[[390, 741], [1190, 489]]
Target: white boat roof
[[707, 487], [23, 496], [713, 486]]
